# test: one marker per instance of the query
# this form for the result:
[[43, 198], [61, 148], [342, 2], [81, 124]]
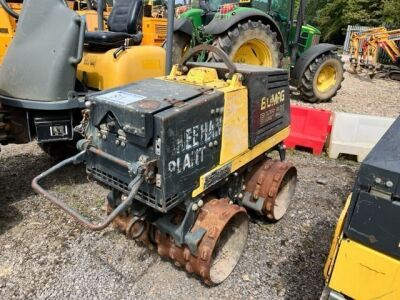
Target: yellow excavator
[[365, 48], [364, 260]]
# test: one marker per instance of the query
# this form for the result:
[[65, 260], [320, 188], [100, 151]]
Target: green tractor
[[265, 33]]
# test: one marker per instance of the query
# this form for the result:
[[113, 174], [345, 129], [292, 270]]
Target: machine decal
[[217, 175], [191, 144], [121, 97], [274, 99]]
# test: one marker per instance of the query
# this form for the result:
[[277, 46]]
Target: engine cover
[[175, 124]]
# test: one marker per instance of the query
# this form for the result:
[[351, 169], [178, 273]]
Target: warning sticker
[[121, 97]]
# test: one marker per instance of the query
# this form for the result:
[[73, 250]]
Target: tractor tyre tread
[[306, 87], [235, 36]]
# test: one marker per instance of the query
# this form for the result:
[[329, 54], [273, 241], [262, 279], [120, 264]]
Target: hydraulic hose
[[8, 9]]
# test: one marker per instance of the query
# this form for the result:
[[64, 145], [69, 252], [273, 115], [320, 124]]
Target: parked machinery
[[364, 260], [365, 48], [263, 33], [43, 81], [186, 155], [7, 24]]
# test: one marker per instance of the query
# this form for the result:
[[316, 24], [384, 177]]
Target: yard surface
[[46, 255]]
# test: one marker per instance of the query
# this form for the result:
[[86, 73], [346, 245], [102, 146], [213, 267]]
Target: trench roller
[[186, 156]]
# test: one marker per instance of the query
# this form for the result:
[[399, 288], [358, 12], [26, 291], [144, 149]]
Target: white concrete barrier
[[356, 134]]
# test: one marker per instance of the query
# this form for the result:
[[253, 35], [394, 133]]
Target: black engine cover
[[175, 124], [374, 215]]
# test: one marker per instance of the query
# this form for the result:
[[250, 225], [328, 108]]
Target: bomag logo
[[274, 99]]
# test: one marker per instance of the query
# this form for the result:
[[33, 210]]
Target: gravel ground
[[46, 255]]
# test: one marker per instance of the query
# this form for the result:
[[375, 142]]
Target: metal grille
[[142, 196], [161, 29]]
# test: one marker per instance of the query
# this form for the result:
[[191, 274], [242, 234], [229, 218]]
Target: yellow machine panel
[[101, 71], [7, 28], [235, 151], [154, 31], [91, 19], [362, 273]]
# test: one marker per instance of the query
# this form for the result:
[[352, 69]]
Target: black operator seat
[[124, 23]]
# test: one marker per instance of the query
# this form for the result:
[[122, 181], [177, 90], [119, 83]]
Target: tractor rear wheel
[[251, 42], [322, 79]]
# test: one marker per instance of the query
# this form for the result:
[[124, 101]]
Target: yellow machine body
[[235, 151], [359, 272], [100, 70], [7, 28], [154, 31], [91, 19]]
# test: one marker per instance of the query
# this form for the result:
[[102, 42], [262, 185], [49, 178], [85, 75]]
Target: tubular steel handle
[[82, 23], [221, 54], [134, 185]]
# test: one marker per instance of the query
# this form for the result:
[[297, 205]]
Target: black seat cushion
[[110, 38], [123, 23]]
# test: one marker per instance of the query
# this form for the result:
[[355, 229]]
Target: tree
[[333, 16], [391, 13], [330, 20]]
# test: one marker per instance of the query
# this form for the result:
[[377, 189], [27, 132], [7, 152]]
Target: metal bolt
[[378, 180], [123, 144], [243, 187], [230, 202], [389, 184], [104, 137], [235, 174], [240, 196], [217, 110], [124, 197], [195, 207], [215, 143], [99, 134], [117, 142], [200, 203], [210, 145], [88, 104], [212, 112]]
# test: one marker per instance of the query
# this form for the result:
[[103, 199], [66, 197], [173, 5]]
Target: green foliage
[[333, 16], [391, 13]]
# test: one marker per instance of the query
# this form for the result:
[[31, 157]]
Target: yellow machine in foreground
[[185, 156], [365, 50], [364, 260]]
